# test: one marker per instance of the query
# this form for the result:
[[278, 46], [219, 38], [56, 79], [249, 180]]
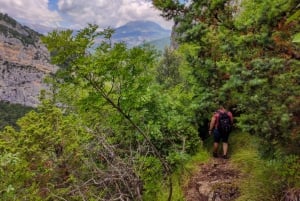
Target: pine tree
[[246, 56]]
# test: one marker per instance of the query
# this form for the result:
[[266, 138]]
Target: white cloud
[[32, 11], [77, 13], [110, 12]]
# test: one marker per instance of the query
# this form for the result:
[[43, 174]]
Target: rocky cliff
[[24, 62]]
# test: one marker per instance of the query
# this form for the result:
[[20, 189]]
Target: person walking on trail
[[221, 125]]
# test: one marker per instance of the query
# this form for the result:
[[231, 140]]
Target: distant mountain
[[42, 29], [137, 32], [133, 33], [161, 44]]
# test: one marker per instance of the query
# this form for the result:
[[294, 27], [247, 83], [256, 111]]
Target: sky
[[76, 14]]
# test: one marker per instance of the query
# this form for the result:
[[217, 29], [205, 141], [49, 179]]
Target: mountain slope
[[161, 44], [138, 32], [133, 33], [24, 62]]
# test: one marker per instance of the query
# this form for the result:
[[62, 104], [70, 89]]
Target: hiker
[[221, 125]]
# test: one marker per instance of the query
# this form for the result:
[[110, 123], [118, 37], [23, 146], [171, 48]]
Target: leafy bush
[[256, 184], [10, 113]]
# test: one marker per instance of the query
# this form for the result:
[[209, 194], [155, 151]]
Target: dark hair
[[222, 104]]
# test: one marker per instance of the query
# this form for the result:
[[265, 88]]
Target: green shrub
[[264, 179], [10, 113]]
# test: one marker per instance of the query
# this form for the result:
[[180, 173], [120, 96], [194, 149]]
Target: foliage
[[176, 6], [114, 89], [257, 185], [127, 123], [168, 73], [10, 113], [54, 156], [245, 56], [151, 176], [40, 155], [296, 38]]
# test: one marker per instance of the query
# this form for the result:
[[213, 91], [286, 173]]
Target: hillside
[[161, 44], [137, 32], [133, 33], [24, 62]]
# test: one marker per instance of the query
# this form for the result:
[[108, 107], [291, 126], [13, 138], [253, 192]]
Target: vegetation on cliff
[[11, 28]]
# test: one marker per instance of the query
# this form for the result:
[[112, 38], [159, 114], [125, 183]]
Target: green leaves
[[245, 56], [296, 38], [113, 89], [256, 14], [170, 8], [47, 144]]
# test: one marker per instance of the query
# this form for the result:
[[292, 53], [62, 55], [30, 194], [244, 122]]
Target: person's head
[[222, 105]]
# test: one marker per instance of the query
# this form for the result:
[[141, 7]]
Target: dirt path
[[215, 181]]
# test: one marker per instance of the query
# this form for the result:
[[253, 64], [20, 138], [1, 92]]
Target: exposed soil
[[216, 180]]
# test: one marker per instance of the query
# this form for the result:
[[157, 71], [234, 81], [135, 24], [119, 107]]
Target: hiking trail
[[216, 180]]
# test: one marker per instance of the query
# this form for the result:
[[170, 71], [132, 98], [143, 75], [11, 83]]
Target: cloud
[[32, 11], [112, 13], [77, 13]]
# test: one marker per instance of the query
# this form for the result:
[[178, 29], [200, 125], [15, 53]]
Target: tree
[[245, 55], [114, 90], [38, 160]]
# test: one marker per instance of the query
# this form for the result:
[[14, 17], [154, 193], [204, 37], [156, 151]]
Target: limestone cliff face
[[24, 62]]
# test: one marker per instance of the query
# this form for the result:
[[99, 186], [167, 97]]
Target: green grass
[[264, 179]]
